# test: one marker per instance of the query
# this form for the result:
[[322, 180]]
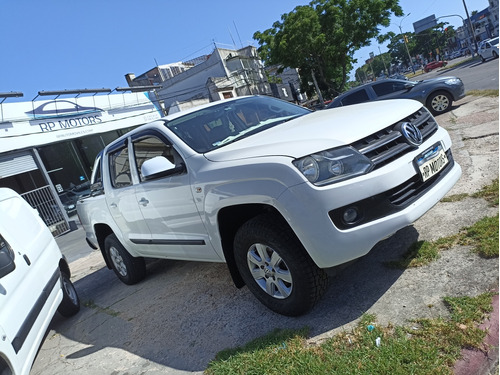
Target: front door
[[168, 206]]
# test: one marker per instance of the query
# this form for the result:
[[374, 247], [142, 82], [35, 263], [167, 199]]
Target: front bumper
[[316, 219]]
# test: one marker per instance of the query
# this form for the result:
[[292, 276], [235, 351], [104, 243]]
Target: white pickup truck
[[276, 191]]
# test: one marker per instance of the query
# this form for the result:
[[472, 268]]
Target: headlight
[[327, 167], [452, 81]]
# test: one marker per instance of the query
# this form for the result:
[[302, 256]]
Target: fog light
[[351, 215]]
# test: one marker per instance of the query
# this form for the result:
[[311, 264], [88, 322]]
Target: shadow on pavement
[[186, 312]]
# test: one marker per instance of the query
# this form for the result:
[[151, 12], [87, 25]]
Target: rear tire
[[276, 267], [130, 270], [70, 303]]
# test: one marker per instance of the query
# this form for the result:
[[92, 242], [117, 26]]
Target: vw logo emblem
[[411, 133]]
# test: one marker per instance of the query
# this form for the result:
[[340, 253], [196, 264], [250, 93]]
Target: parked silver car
[[437, 94]]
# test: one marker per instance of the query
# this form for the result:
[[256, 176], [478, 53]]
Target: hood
[[318, 131], [436, 79]]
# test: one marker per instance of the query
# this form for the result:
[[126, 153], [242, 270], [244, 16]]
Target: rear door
[[121, 199]]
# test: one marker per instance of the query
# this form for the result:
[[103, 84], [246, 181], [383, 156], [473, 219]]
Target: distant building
[[482, 25], [493, 17], [225, 73]]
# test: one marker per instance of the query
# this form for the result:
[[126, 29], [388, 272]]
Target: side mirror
[[96, 188], [7, 264], [159, 166]]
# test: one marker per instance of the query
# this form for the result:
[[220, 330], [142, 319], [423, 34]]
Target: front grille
[[389, 144]]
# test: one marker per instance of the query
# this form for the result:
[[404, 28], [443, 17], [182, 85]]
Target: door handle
[[144, 201], [113, 205]]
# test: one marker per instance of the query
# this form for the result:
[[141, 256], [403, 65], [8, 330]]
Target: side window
[[151, 146], [355, 98], [382, 89], [119, 166], [386, 88]]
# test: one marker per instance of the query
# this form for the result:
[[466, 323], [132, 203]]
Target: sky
[[65, 45]]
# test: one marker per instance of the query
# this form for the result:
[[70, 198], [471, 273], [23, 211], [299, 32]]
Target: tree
[[397, 47], [322, 37]]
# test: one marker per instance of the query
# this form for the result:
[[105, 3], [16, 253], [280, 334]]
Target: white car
[[488, 49], [34, 283]]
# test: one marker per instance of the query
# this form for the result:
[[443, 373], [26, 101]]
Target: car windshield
[[213, 127], [494, 41]]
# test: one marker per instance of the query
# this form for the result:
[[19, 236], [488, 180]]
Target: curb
[[482, 362]]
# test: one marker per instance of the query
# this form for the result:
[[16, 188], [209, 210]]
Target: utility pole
[[471, 28], [321, 101], [406, 45]]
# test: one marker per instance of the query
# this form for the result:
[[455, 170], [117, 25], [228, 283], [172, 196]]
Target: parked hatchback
[[489, 49], [437, 94], [34, 283]]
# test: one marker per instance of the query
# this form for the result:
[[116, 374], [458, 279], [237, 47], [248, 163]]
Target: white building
[[225, 73], [48, 147]]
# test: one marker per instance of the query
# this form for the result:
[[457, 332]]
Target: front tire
[[130, 270], [70, 303], [276, 268], [439, 102]]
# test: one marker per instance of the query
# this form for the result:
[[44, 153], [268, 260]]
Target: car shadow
[[184, 313], [471, 63]]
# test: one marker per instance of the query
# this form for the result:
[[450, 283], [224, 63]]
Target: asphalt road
[[475, 74]]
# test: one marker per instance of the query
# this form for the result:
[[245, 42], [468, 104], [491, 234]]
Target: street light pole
[[406, 45], [471, 28]]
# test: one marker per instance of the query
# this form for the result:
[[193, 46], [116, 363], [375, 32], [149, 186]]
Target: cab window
[[151, 146]]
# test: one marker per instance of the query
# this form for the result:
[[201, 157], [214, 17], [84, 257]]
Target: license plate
[[431, 161]]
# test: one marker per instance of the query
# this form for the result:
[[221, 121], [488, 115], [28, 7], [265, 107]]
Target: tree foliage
[[424, 44], [322, 37]]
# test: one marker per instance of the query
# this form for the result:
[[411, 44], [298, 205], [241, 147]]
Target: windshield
[[218, 125]]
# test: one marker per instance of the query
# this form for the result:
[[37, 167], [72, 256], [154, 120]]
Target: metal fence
[[43, 200]]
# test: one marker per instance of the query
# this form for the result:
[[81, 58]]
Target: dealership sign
[[29, 124]]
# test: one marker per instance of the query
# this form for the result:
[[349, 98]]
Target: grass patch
[[455, 197], [489, 93], [489, 193], [431, 348], [92, 305], [482, 236]]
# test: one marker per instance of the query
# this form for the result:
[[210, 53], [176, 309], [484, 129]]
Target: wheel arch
[[230, 219], [101, 232], [5, 365], [64, 267]]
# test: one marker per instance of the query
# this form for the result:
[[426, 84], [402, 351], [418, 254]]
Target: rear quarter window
[[119, 168]]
